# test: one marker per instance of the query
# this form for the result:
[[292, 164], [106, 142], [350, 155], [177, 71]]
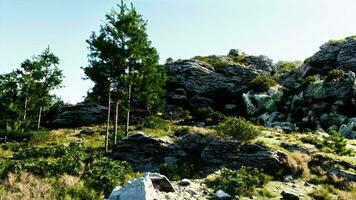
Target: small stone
[[289, 196], [220, 194], [287, 178], [184, 182]]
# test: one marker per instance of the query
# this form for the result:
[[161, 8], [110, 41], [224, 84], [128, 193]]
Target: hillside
[[235, 126]]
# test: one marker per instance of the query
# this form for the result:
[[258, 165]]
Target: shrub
[[336, 143], [297, 162], [26, 186], [106, 174], [154, 122], [212, 60], [238, 128], [321, 194], [287, 66], [184, 168], [208, 115], [262, 83], [4, 166], [181, 131], [334, 75], [311, 79], [239, 182]]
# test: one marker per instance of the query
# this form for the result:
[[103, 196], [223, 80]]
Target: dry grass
[[26, 187], [298, 163]]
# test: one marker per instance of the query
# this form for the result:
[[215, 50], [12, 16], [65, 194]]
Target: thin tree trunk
[[39, 117], [128, 110], [116, 121], [108, 122], [25, 109], [24, 114]]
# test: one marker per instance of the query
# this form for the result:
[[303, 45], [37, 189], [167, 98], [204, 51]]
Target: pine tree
[[123, 61]]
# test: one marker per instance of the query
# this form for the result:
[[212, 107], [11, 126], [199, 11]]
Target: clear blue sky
[[280, 29]]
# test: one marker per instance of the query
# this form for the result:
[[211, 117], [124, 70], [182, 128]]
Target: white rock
[[220, 194]]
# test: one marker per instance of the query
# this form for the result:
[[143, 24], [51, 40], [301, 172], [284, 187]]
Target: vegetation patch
[[262, 83], [241, 182], [238, 129]]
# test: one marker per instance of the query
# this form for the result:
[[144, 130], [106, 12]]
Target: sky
[[280, 29]]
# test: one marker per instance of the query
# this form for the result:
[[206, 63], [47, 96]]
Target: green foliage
[[241, 182], [287, 66], [106, 174], [262, 83], [336, 142], [181, 131], [121, 55], [321, 194], [154, 122], [169, 59], [214, 61], [334, 75], [238, 128], [186, 167], [208, 115], [311, 79]]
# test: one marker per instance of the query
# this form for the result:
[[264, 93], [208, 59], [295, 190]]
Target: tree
[[123, 61], [49, 78]]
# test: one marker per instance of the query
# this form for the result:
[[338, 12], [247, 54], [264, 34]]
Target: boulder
[[289, 196], [147, 154], [81, 114], [145, 188], [349, 130], [257, 103]]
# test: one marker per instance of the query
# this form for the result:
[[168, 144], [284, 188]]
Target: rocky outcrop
[[197, 83], [147, 154], [332, 55], [348, 129], [82, 114]]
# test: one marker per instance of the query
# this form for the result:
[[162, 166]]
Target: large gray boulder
[[147, 154], [81, 114]]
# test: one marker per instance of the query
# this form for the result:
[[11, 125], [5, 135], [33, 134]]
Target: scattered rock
[[289, 196], [220, 194], [349, 130], [184, 182]]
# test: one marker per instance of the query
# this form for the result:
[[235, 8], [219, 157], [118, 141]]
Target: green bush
[[262, 83], [184, 168], [4, 166], [208, 115], [311, 79], [238, 128], [241, 182], [334, 75], [106, 174], [181, 131], [214, 61], [336, 143], [154, 122], [287, 66]]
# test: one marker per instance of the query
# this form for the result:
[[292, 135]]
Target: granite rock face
[[82, 114], [204, 85], [147, 154], [331, 56]]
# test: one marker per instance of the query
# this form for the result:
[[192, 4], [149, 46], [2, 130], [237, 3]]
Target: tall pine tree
[[124, 64]]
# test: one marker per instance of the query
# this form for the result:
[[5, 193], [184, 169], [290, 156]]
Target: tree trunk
[[24, 115], [108, 122], [116, 121], [39, 118], [25, 109], [128, 110]]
